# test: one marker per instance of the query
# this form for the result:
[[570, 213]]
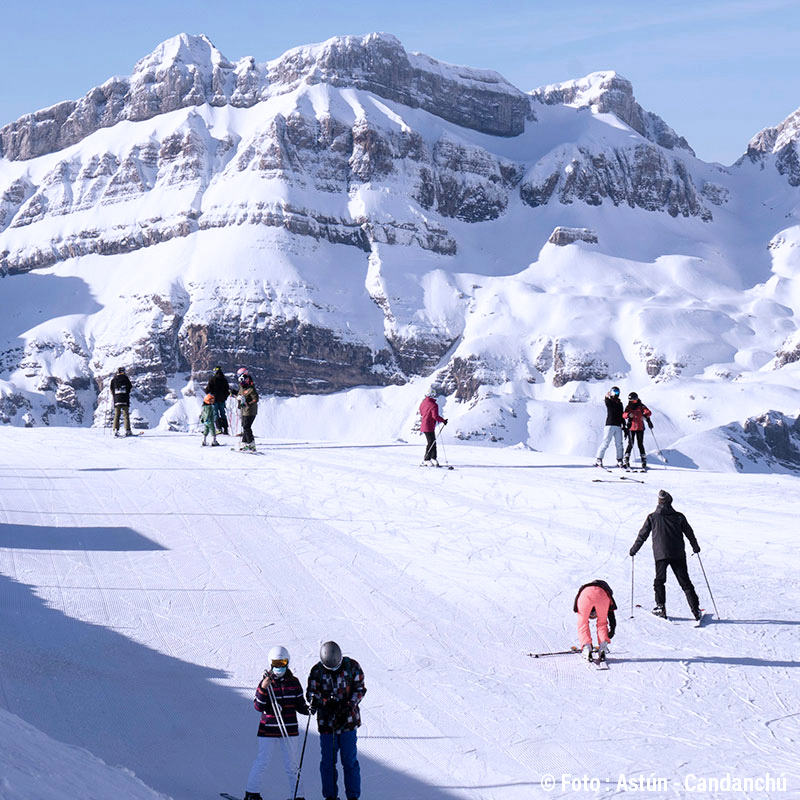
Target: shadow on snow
[[164, 718]]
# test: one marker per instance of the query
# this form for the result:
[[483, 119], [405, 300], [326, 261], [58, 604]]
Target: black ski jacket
[[668, 527], [121, 390], [218, 386], [612, 618], [614, 411]]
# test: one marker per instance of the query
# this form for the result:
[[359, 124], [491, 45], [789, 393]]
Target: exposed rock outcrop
[[562, 236], [642, 176]]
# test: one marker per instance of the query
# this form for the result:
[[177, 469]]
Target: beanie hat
[[664, 496]]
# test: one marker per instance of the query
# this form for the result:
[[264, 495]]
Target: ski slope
[[143, 580]]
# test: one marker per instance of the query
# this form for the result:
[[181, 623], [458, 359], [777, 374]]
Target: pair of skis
[[621, 477], [696, 623], [598, 659]]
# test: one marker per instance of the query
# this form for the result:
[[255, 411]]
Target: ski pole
[[707, 584], [302, 754], [553, 653], [633, 558], [658, 449], [444, 452], [276, 710], [333, 759]]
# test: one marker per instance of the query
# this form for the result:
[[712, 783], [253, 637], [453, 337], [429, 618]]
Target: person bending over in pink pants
[[595, 600]]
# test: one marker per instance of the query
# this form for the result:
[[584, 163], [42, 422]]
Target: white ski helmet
[[278, 661], [330, 654]]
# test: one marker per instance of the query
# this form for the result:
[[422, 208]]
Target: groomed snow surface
[[143, 580]]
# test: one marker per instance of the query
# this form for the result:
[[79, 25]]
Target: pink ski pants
[[593, 597]]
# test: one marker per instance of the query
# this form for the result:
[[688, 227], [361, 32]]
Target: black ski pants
[[430, 449], [639, 440], [247, 428], [681, 572]]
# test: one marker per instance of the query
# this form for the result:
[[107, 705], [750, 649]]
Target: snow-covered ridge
[[189, 71]]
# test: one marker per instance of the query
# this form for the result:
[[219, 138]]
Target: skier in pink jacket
[[429, 411]]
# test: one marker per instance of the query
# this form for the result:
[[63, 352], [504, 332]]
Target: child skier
[[636, 414], [279, 698], [595, 601], [208, 420]]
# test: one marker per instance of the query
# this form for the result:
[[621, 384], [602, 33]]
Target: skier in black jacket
[[218, 386], [613, 427], [121, 393], [668, 527]]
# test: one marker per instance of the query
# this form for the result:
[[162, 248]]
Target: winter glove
[[696, 548], [312, 706], [649, 424], [444, 422], [633, 552]]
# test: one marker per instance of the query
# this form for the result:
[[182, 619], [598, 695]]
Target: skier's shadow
[[754, 622], [738, 661]]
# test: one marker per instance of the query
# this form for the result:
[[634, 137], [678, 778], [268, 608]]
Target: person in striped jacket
[[279, 699]]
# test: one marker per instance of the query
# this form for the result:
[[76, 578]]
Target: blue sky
[[718, 72]]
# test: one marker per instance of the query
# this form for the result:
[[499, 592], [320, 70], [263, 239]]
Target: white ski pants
[[611, 432], [268, 750]]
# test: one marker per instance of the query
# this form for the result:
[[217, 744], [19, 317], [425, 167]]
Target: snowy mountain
[[351, 214]]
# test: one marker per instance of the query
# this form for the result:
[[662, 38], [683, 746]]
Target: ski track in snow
[[142, 583]]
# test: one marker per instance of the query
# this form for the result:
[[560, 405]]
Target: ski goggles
[[280, 662]]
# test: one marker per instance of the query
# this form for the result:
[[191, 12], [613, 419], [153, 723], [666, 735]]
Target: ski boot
[[601, 651], [644, 463], [660, 611], [620, 463], [434, 462], [129, 433], [252, 796], [586, 652], [214, 442], [204, 442], [697, 614], [599, 462]]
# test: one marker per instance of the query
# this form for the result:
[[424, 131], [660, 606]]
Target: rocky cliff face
[[189, 71], [779, 145], [642, 176]]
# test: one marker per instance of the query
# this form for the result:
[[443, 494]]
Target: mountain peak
[[608, 92], [184, 49]]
